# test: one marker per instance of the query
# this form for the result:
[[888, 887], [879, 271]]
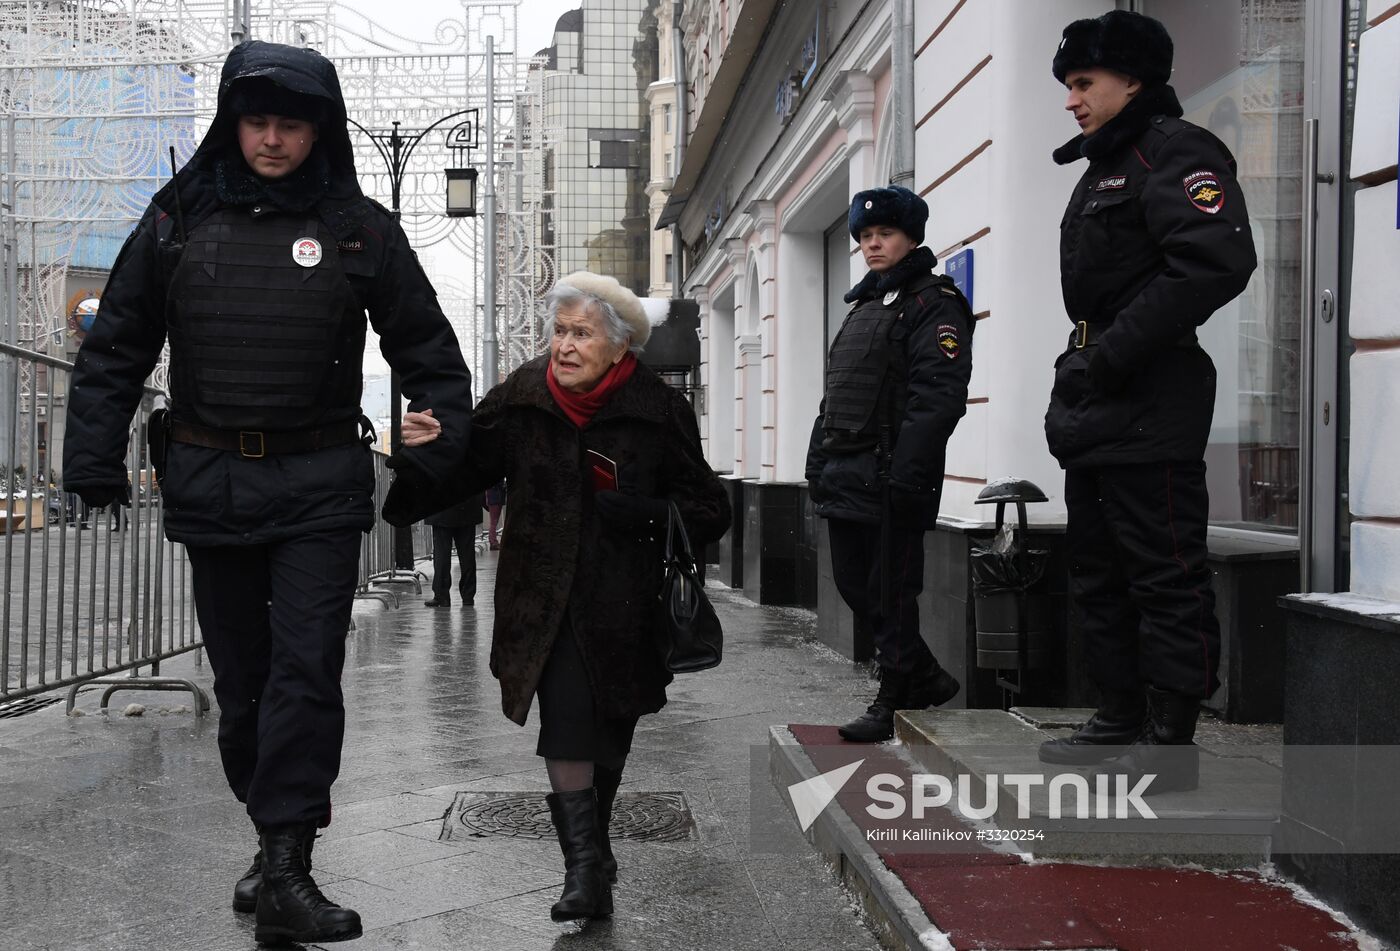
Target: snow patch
[[935, 940]]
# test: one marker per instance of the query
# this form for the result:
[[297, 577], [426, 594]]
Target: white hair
[[617, 330]]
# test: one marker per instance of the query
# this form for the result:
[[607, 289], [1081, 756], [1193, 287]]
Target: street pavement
[[120, 833]]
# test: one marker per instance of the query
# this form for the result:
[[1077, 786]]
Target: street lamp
[[396, 148], [461, 192]]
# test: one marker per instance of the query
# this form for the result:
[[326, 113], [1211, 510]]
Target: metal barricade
[[88, 593], [377, 567]]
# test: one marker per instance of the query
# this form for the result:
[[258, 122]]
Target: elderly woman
[[580, 563]]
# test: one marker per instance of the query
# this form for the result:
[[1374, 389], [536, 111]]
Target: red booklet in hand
[[603, 471]]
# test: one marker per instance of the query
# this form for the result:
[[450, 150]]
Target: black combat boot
[[1164, 748], [290, 906], [1116, 723], [876, 724], [245, 892], [930, 687], [606, 781], [587, 893]]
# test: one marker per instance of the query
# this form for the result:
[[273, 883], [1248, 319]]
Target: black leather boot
[[587, 893], [876, 724], [932, 687], [245, 891], [1117, 723], [290, 906], [606, 781], [1165, 747]]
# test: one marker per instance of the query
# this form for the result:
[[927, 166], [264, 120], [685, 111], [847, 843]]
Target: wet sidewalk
[[119, 832]]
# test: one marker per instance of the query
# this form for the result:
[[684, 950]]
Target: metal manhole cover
[[640, 816], [18, 708]]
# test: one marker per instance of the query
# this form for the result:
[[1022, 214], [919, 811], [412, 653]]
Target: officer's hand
[[817, 490], [633, 513], [1103, 375]]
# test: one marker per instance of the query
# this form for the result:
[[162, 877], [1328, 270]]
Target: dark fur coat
[[557, 556]]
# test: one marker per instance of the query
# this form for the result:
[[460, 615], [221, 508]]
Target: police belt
[[254, 445], [1086, 334]]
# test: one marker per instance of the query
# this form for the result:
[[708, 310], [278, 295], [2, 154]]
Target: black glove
[[630, 512], [817, 490], [1105, 377], [101, 496], [409, 497]]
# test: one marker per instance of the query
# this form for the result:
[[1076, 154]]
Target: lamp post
[[395, 148]]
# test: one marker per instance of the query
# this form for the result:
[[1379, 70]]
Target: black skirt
[[570, 727]]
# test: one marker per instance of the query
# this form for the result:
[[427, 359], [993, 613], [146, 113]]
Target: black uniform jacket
[[1156, 238], [558, 557], [937, 333], [214, 496]]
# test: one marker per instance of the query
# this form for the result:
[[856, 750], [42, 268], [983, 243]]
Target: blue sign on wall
[[959, 268]]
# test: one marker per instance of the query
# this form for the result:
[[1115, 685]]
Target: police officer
[[896, 385], [257, 264], [1155, 239]]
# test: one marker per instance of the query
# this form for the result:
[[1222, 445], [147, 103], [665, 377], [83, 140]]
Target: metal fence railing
[[378, 573], [88, 593]]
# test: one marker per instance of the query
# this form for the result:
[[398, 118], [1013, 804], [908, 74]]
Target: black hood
[[302, 71]]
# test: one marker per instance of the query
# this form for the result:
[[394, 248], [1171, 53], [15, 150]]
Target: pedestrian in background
[[581, 567], [896, 385], [1155, 240], [455, 527], [258, 264], [495, 499]]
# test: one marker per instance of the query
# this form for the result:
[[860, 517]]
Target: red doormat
[[991, 900]]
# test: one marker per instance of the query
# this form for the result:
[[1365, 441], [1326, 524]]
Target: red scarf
[[580, 407]]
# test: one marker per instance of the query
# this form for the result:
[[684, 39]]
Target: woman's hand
[[419, 429]]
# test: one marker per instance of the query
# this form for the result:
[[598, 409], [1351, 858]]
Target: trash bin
[[1014, 630]]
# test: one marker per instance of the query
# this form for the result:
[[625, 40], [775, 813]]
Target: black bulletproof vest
[[869, 360], [259, 341]]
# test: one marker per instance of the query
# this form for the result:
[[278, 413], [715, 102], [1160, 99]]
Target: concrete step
[[1228, 822]]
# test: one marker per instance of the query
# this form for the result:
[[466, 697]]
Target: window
[[1246, 86], [670, 158], [666, 117]]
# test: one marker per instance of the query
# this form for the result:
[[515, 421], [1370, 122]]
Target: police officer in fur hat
[[258, 264], [896, 385], [1155, 240]]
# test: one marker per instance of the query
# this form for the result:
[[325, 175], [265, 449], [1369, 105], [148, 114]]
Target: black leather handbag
[[688, 635]]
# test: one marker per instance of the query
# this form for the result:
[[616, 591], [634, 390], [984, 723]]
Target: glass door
[[1265, 77]]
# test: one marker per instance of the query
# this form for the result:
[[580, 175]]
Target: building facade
[[598, 167], [1304, 443]]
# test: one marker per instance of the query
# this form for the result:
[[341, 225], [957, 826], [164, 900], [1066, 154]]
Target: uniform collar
[[917, 263], [1122, 128]]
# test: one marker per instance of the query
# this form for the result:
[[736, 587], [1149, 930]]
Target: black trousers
[[855, 566], [274, 619], [1139, 585], [570, 727], [464, 538]]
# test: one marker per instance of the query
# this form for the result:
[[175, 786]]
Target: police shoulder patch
[[1204, 191], [948, 341]]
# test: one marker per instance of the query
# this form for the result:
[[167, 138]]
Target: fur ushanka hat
[[1128, 43], [891, 205]]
